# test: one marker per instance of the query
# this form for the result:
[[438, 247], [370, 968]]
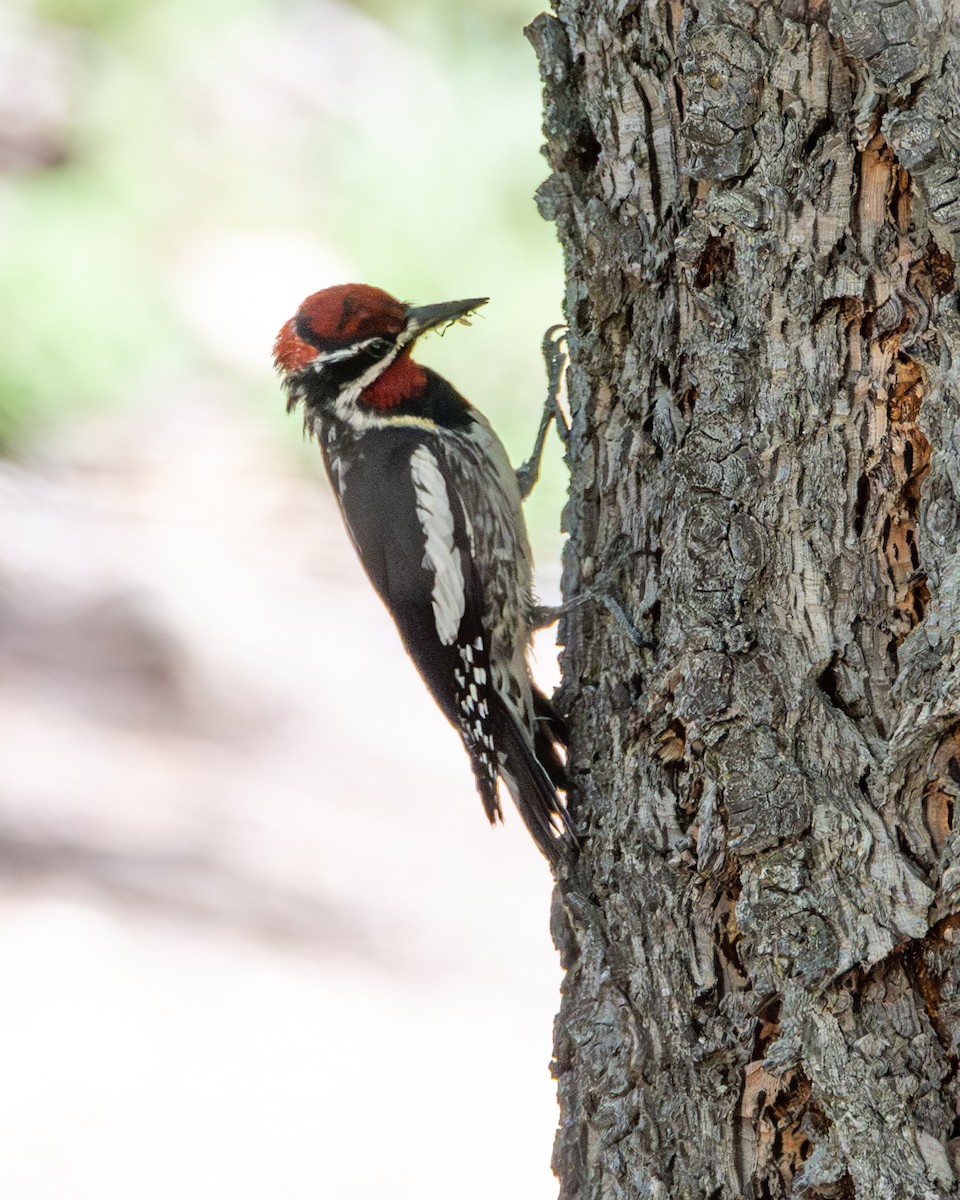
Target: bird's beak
[[429, 316]]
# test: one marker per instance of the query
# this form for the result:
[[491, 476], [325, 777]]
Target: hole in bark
[[714, 263], [862, 782], [841, 248], [688, 402], [852, 982], [892, 653], [681, 98], [908, 853], [583, 316], [586, 150], [768, 1027], [908, 457], [860, 508], [829, 682], [819, 131], [911, 539]]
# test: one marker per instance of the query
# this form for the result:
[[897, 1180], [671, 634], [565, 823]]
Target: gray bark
[[760, 207]]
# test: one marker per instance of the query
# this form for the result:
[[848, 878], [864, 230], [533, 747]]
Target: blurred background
[[256, 937]]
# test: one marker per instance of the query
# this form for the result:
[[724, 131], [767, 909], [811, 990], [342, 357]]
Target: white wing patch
[[442, 557]]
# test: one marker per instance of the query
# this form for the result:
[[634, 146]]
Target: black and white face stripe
[[370, 350], [340, 373]]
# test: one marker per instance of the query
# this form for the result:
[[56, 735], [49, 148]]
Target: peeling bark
[[760, 209]]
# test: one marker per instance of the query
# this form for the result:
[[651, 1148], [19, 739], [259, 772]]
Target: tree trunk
[[759, 204]]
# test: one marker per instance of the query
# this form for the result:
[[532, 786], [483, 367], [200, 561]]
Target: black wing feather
[[393, 555]]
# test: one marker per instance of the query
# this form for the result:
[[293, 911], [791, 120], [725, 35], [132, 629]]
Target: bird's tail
[[534, 771], [550, 739]]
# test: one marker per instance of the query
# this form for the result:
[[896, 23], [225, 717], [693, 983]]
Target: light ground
[[256, 937]]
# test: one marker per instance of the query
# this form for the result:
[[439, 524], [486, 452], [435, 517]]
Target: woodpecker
[[433, 508]]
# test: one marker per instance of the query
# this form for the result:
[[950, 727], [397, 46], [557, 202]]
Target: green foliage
[[398, 143]]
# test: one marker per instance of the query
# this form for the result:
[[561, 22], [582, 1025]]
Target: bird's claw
[[555, 358]]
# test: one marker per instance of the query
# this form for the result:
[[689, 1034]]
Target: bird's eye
[[378, 347]]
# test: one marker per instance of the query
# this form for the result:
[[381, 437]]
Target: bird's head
[[350, 345]]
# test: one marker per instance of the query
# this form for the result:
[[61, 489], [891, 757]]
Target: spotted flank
[[474, 711], [441, 557]]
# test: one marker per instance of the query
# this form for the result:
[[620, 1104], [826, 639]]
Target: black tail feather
[[487, 788], [531, 782], [550, 739]]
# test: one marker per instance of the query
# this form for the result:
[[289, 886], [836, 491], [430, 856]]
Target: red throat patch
[[403, 380]]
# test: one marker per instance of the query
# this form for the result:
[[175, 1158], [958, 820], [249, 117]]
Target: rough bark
[[760, 207]]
